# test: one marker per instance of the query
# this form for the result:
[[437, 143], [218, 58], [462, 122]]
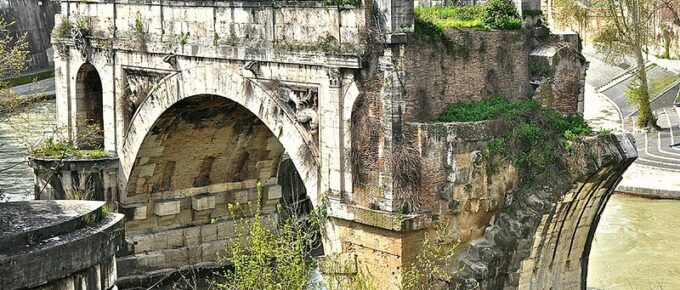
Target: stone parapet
[[58, 245], [57, 179]]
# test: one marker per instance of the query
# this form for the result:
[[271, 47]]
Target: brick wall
[[475, 65]]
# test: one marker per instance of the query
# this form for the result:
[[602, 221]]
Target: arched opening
[[201, 154], [89, 123]]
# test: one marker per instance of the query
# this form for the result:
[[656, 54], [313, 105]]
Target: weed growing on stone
[[63, 29], [434, 264], [536, 140]]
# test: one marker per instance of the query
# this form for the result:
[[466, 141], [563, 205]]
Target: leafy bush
[[491, 108], [501, 14], [264, 257], [63, 29], [535, 140]]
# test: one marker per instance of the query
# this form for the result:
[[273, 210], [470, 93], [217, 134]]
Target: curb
[[648, 192]]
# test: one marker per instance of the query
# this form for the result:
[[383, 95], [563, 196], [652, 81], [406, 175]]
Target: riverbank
[[645, 181]]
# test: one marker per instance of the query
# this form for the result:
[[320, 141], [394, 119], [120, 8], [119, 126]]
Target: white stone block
[[204, 202], [139, 213], [166, 208]]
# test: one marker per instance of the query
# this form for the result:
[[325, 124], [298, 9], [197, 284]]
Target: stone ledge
[[73, 164], [240, 53], [378, 218], [33, 221]]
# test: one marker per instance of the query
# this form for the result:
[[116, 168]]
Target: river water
[[636, 246], [18, 134]]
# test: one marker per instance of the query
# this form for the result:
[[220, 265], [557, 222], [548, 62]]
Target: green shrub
[[501, 14], [264, 256], [63, 29], [535, 140], [52, 148]]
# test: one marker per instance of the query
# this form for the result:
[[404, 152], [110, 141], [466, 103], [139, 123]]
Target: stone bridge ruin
[[200, 100]]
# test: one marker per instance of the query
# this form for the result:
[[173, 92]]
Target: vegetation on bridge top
[[56, 149], [496, 14], [540, 136]]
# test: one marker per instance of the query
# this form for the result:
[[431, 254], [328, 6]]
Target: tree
[[626, 32], [13, 61], [570, 12]]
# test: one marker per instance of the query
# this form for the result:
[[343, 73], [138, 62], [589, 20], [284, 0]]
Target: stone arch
[[222, 81], [89, 106]]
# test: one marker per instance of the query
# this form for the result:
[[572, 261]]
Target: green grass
[[659, 86], [51, 148], [97, 154], [496, 14], [452, 16], [22, 80]]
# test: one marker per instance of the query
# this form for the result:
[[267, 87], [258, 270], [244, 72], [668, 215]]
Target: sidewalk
[[43, 87], [600, 112], [650, 182]]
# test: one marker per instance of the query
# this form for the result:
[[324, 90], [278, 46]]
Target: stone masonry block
[[240, 196], [192, 236], [274, 192], [203, 202], [250, 183], [139, 213], [208, 232], [153, 260], [167, 208]]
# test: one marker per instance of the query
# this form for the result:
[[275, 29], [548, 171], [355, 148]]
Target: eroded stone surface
[[70, 244]]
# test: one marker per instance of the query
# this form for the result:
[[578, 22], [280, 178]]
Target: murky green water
[[637, 245], [17, 134]]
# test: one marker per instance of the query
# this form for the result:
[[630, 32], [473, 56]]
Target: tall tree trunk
[[645, 118]]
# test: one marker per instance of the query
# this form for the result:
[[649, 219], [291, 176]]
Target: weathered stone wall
[[36, 19], [457, 184], [471, 64], [559, 71], [541, 238], [178, 25], [90, 179]]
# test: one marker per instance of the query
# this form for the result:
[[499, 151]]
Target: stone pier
[[58, 245]]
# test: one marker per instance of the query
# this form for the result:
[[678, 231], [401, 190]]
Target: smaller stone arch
[[89, 107]]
